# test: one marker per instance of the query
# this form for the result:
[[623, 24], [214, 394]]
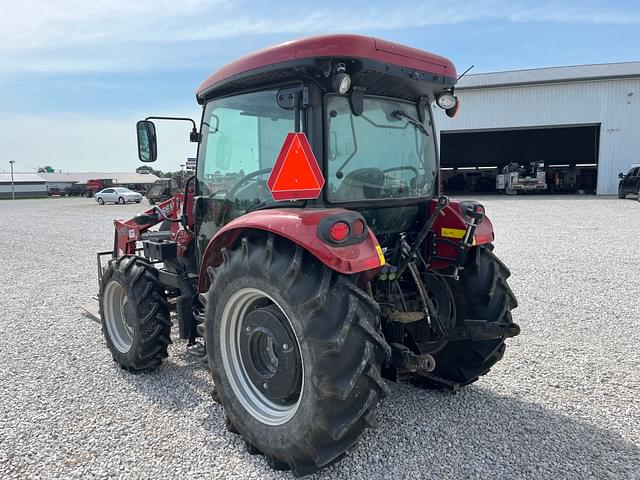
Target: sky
[[75, 75]]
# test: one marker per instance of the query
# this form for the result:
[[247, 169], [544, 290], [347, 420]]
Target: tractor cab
[[363, 104], [311, 256]]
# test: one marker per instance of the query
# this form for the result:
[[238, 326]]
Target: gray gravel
[[563, 404]]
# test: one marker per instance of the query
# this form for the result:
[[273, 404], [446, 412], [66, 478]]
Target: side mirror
[[621, 175], [147, 145]]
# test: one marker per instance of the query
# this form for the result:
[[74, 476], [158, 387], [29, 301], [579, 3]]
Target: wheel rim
[[442, 300], [121, 200], [100, 201], [261, 356], [118, 312]]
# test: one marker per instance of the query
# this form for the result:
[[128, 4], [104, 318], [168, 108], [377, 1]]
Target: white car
[[117, 195]]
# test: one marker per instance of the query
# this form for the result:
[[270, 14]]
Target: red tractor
[[312, 251]]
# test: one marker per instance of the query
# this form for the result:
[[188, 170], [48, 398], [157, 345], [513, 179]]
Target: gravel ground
[[562, 404]]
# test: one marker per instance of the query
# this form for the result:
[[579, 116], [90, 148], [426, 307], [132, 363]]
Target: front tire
[[621, 195], [121, 201], [100, 201], [481, 293], [135, 314], [329, 373]]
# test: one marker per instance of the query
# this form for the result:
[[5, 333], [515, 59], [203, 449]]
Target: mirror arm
[[194, 136]]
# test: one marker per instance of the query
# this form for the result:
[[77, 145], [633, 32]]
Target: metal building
[[582, 121], [136, 181], [25, 185]]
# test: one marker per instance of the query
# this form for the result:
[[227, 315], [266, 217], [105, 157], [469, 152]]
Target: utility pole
[[13, 191], [182, 175]]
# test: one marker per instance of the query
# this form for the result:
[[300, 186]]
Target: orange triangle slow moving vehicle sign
[[296, 174]]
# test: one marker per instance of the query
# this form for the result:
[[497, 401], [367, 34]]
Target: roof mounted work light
[[446, 101], [341, 83]]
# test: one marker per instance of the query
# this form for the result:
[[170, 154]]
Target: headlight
[[446, 101]]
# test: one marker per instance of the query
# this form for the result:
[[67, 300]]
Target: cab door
[[628, 182], [241, 137], [635, 183], [109, 195]]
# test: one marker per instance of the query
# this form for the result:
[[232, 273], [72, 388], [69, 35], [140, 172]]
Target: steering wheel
[[245, 179], [390, 188], [403, 167]]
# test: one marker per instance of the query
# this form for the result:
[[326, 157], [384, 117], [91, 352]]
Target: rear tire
[[121, 201], [339, 352], [135, 314], [481, 293]]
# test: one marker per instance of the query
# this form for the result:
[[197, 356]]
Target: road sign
[[296, 174], [191, 164]]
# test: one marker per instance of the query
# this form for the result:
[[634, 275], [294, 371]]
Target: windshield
[[384, 153]]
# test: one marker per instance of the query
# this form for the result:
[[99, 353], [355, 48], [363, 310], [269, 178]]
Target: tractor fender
[[451, 226], [300, 226]]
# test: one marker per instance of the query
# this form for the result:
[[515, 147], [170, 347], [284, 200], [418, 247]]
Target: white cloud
[[73, 35], [29, 24]]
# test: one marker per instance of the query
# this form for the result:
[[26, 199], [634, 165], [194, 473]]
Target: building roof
[[21, 178], [551, 75], [84, 177]]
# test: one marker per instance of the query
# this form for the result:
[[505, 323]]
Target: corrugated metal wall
[[23, 190], [604, 102]]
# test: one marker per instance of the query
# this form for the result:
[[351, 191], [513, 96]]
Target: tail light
[[339, 231], [343, 229], [471, 210], [359, 227]]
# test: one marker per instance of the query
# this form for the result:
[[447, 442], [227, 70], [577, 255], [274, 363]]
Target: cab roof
[[370, 61]]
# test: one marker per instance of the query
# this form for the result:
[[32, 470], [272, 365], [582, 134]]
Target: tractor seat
[[157, 236], [361, 184]]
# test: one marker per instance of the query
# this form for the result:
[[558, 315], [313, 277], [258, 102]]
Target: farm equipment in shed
[[311, 256], [522, 178]]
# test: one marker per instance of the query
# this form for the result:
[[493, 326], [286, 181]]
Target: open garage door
[[564, 159]]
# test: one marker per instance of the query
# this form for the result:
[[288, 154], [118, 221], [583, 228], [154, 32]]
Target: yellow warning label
[[452, 232], [380, 254]]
